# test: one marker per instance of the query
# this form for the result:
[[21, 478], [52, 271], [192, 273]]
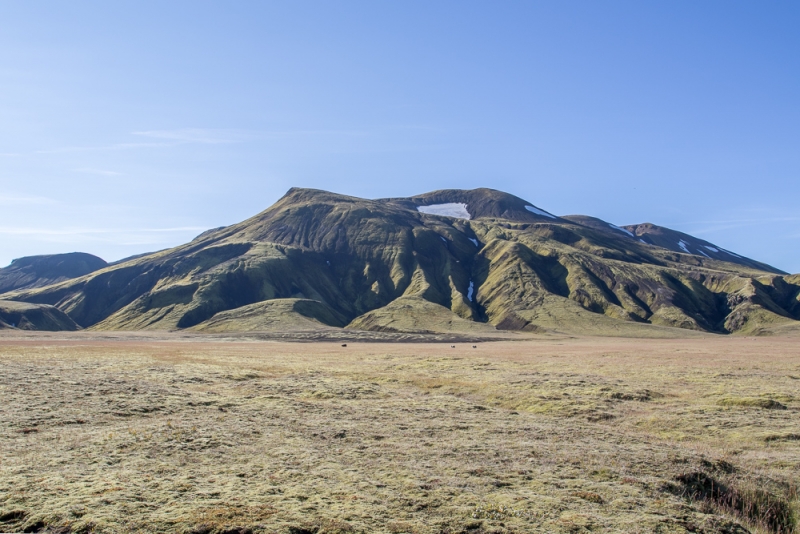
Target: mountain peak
[[478, 203], [38, 271], [307, 194], [676, 241], [448, 259]]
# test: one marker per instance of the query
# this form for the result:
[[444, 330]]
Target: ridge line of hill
[[476, 260]]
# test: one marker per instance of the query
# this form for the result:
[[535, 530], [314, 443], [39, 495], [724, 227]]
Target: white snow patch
[[683, 244], [328, 262], [537, 211], [474, 241], [470, 290], [443, 239], [453, 209], [712, 249], [615, 227], [642, 240], [731, 253], [703, 253]]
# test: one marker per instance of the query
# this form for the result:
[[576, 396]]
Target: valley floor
[[194, 434]]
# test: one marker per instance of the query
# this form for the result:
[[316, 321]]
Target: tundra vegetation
[[155, 432], [420, 365]]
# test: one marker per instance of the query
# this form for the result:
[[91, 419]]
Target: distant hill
[[25, 316], [39, 271], [673, 240], [680, 242], [445, 261]]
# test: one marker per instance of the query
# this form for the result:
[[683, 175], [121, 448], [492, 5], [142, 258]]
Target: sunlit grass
[[546, 435]]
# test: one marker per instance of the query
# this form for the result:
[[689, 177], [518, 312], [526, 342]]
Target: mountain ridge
[[491, 259], [38, 271]]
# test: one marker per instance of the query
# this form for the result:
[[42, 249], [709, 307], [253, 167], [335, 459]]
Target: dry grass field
[[548, 434]]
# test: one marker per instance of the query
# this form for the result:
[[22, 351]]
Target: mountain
[[680, 242], [25, 316], [446, 261], [39, 271], [651, 234]]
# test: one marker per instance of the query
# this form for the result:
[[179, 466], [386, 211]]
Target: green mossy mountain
[[39, 271], [26, 316], [319, 259]]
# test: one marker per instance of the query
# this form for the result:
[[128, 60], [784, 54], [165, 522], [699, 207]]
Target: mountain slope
[[680, 242], [673, 240], [25, 316], [39, 271], [478, 203], [276, 314], [488, 259]]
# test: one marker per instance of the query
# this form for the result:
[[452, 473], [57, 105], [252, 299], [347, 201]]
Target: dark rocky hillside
[[651, 234], [444, 261], [25, 316], [680, 242], [39, 271]]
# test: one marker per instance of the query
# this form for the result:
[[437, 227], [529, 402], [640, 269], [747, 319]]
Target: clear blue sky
[[127, 127]]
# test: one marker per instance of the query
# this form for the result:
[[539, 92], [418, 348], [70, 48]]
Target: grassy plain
[[551, 434]]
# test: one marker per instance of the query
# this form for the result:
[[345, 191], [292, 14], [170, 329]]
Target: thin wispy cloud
[[116, 146], [196, 135], [52, 232], [188, 136], [223, 136], [418, 127], [397, 149], [712, 226], [99, 172], [100, 241], [165, 138], [294, 133], [25, 200], [746, 221]]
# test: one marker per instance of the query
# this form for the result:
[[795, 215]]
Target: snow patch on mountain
[[615, 227], [537, 211], [470, 290], [474, 241], [683, 244], [452, 209], [731, 253]]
